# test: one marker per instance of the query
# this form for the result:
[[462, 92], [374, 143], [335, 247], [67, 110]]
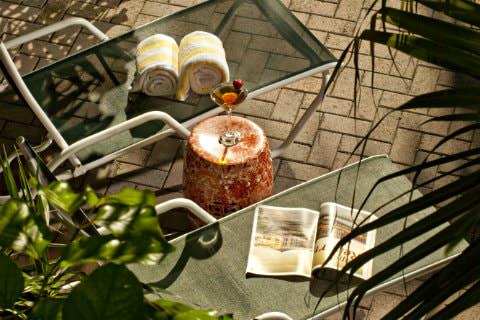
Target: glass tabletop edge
[[97, 46], [303, 27]]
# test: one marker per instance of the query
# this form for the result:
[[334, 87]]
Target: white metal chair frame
[[68, 151]]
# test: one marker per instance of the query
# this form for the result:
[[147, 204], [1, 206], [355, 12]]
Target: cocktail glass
[[227, 96]]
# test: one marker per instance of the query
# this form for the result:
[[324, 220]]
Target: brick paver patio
[[326, 142]]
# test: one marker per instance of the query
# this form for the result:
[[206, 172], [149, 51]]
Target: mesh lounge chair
[[83, 100], [208, 266]]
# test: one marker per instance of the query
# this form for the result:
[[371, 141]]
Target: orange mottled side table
[[225, 179]]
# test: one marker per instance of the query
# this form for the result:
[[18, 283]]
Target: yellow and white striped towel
[[202, 64], [157, 66]]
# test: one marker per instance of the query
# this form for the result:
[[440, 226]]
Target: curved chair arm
[[54, 28], [187, 204], [168, 205], [107, 133], [314, 105], [273, 316], [13, 76]]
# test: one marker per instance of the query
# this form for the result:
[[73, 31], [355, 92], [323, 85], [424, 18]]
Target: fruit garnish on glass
[[229, 95]]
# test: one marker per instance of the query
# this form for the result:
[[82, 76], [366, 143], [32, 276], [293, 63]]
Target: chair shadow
[[325, 283], [200, 245]]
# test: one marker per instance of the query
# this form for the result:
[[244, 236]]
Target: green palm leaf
[[111, 292], [443, 215], [435, 283], [466, 97], [436, 196], [466, 300], [462, 10], [468, 276], [428, 50], [455, 46], [456, 117], [436, 30], [442, 238]]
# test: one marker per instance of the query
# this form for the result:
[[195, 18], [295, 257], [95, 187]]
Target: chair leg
[[303, 120], [38, 148], [24, 92]]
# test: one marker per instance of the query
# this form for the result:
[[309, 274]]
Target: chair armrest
[[53, 28], [273, 316], [166, 206], [107, 133], [187, 204]]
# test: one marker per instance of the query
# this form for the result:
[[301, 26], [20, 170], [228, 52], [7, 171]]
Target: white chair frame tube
[[107, 133], [303, 120], [186, 204], [54, 28], [22, 87], [35, 107]]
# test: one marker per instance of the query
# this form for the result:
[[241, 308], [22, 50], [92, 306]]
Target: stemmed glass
[[229, 95]]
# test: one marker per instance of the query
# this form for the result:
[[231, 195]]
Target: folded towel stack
[[157, 66], [202, 64]]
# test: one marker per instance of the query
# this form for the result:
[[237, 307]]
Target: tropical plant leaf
[[22, 230], [454, 134], [11, 282], [112, 292], [419, 168], [27, 193], [434, 29], [466, 300], [466, 11], [427, 50], [442, 238], [453, 46], [425, 183], [145, 249], [456, 117], [8, 177], [42, 206], [420, 227], [122, 220], [60, 194], [92, 197], [441, 216], [165, 309], [427, 305], [436, 196], [132, 197], [466, 97], [136, 236], [47, 309], [436, 282], [422, 166]]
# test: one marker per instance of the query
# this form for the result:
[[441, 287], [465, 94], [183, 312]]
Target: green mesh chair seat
[[89, 91], [208, 267]]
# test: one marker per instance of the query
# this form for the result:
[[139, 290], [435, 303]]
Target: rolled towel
[[157, 66], [202, 64]]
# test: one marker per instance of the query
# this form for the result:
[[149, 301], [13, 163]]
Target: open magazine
[[297, 241]]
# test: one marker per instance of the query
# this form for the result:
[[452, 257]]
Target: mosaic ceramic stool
[[225, 179]]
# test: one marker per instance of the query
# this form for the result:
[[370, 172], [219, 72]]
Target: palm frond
[[455, 46]]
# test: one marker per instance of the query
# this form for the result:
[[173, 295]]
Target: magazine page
[[335, 222], [282, 241]]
